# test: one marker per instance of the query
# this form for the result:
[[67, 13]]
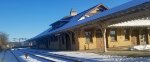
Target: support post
[[148, 36], [76, 46], [104, 39], [70, 37], [103, 28]]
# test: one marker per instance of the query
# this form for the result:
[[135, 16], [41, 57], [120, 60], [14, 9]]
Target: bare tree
[[3, 40]]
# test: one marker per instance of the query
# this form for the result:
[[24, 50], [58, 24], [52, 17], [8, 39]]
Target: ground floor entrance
[[140, 36]]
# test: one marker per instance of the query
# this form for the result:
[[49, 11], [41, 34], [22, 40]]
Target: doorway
[[135, 37], [68, 43], [99, 40], [143, 37]]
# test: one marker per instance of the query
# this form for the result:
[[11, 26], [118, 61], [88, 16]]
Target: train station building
[[99, 28]]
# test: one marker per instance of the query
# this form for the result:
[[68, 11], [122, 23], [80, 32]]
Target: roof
[[45, 32], [67, 18], [73, 22], [74, 18], [64, 19], [133, 23]]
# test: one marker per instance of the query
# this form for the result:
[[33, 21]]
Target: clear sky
[[28, 18]]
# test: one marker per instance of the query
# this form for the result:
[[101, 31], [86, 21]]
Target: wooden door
[[135, 37], [143, 37], [99, 40]]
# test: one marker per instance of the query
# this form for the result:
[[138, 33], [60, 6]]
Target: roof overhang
[[133, 23]]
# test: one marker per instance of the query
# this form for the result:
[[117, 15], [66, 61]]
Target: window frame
[[113, 35], [126, 34], [89, 36]]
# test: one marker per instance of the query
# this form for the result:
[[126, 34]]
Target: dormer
[[64, 20], [97, 9], [61, 22]]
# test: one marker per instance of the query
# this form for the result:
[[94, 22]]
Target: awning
[[133, 23]]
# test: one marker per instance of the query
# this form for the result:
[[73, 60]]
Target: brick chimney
[[73, 12]]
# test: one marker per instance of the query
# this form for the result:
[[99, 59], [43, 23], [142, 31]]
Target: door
[[135, 37], [99, 40], [68, 43], [143, 37]]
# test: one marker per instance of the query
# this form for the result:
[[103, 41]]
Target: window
[[83, 17], [88, 36], [73, 38], [113, 35], [101, 9], [99, 34], [126, 33]]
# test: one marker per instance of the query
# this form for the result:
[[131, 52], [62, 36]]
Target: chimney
[[73, 12]]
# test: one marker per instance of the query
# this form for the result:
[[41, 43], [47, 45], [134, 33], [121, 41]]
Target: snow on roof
[[135, 23], [73, 22]]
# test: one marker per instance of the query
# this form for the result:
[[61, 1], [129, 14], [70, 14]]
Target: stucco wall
[[120, 39], [82, 42]]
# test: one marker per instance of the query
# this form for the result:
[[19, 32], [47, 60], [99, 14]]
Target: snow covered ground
[[52, 55], [20, 54], [91, 57], [141, 47], [7, 57], [47, 57], [31, 58]]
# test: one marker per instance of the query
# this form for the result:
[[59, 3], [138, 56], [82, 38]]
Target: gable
[[97, 9]]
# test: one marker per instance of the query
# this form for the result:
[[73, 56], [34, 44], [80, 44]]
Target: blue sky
[[28, 18]]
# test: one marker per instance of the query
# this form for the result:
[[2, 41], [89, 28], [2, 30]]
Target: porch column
[[48, 42], [148, 35], [76, 46], [104, 39], [103, 28]]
